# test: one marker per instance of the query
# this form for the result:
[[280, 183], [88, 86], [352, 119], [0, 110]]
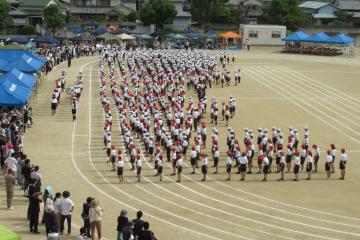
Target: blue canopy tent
[[46, 39], [20, 78], [99, 31], [317, 38], [13, 55], [296, 37], [21, 40], [25, 63], [90, 24], [79, 31], [340, 39], [3, 63], [72, 26], [12, 94]]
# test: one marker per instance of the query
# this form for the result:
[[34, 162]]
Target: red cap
[[332, 145], [112, 146], [314, 146], [119, 151], [343, 150], [138, 150], [328, 151], [119, 156], [203, 154]]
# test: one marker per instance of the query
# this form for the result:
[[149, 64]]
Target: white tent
[[124, 36]]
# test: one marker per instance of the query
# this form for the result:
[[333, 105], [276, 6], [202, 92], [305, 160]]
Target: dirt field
[[276, 90]]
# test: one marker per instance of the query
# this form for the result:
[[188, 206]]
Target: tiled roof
[[348, 5], [18, 12], [324, 15], [35, 3], [313, 5]]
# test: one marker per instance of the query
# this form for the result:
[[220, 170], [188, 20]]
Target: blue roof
[[13, 94], [340, 39], [317, 38], [25, 63], [21, 78], [296, 37], [12, 55]]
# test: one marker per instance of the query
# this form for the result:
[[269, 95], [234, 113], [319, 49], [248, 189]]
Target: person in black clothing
[[50, 220], [127, 231], [69, 59], [26, 172], [85, 215], [123, 221], [146, 234], [138, 223], [34, 210]]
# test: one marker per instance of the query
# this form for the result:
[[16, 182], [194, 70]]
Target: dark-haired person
[[67, 207], [146, 234], [342, 163], [120, 167], [328, 161], [229, 165], [309, 164], [316, 156], [297, 164], [85, 215], [282, 163], [34, 210], [122, 221], [333, 154], [204, 165], [138, 223]]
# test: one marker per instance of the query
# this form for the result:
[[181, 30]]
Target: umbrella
[[179, 37], [211, 35], [145, 37], [230, 35], [125, 36], [108, 36], [99, 31], [6, 234]]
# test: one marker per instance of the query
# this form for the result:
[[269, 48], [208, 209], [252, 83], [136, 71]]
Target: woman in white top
[[309, 164], [57, 209], [95, 213], [342, 164]]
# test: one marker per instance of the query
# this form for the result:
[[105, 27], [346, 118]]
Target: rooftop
[[350, 5], [313, 5]]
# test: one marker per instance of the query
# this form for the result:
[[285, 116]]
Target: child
[[342, 164]]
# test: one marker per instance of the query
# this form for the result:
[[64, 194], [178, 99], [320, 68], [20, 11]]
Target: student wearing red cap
[[138, 167], [328, 162], [120, 167], [204, 165], [316, 156], [160, 167], [309, 164], [282, 163], [229, 165], [193, 159], [289, 155], [216, 158], [242, 168], [333, 153], [113, 157], [342, 164], [297, 163], [179, 166]]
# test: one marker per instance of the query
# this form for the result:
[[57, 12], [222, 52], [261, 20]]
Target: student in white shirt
[[193, 159], [120, 167], [204, 166], [179, 166], [160, 167], [282, 163], [297, 163], [342, 164], [138, 167], [216, 158], [229, 165], [54, 103], [243, 163], [266, 167], [333, 154], [309, 164], [328, 162], [316, 156]]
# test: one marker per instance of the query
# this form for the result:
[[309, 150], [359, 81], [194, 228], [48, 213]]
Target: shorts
[[53, 106], [302, 160], [179, 169], [327, 166], [174, 163], [193, 161], [282, 166], [228, 168], [296, 169], [342, 165], [160, 170], [113, 159], [288, 158], [216, 161], [120, 171], [108, 152], [138, 170], [73, 111], [242, 167], [266, 169], [151, 150], [309, 167], [204, 169]]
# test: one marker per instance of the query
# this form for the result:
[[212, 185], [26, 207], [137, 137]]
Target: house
[[263, 34], [181, 21], [96, 10], [35, 9], [350, 6], [318, 13], [19, 16], [253, 9]]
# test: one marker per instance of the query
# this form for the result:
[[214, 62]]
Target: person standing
[[179, 167], [74, 108], [146, 234], [95, 213], [120, 167], [242, 167], [50, 218], [204, 166], [57, 210], [282, 163], [34, 210], [229, 165], [85, 215], [54, 103], [342, 163], [10, 182], [328, 161], [122, 221], [309, 164], [138, 223], [266, 167], [316, 156], [127, 231], [297, 163], [67, 207], [138, 167], [160, 167]]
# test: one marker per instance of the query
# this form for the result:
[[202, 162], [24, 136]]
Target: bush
[[28, 30], [132, 17]]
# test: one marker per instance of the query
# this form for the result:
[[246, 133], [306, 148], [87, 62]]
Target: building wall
[[181, 23], [263, 34]]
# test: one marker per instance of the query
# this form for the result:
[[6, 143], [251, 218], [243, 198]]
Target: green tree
[[158, 12], [4, 15], [27, 30], [203, 10], [54, 18], [132, 17], [285, 12]]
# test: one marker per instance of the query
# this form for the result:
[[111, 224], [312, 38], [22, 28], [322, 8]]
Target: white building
[[263, 34]]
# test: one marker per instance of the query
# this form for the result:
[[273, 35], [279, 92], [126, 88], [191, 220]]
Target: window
[[276, 34], [253, 34]]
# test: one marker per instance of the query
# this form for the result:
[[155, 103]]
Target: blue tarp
[[12, 94], [20, 78], [25, 63], [296, 37], [46, 39], [317, 38], [340, 39], [13, 55]]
